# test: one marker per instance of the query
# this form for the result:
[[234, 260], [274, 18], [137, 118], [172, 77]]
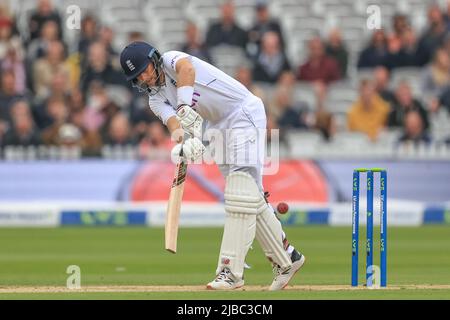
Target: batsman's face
[[149, 76]]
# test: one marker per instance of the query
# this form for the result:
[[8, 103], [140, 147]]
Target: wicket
[[369, 232]]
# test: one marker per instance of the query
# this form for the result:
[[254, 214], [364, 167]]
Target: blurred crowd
[[53, 96]]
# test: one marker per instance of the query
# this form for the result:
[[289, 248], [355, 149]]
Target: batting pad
[[243, 202], [270, 236]]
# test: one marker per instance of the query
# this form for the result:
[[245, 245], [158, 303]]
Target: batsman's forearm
[[175, 129]]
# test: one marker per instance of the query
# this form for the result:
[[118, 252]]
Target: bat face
[[174, 206]]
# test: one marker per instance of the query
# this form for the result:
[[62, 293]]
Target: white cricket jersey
[[216, 94]]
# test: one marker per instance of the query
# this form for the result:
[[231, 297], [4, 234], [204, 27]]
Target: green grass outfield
[[33, 258]]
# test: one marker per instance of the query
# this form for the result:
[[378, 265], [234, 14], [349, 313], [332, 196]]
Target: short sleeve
[[170, 59], [161, 109]]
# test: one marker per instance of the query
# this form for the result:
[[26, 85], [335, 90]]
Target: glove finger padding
[[193, 148], [190, 120]]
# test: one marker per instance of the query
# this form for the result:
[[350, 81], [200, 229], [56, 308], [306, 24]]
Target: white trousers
[[243, 140]]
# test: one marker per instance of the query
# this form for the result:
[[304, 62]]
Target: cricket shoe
[[225, 281], [283, 276]]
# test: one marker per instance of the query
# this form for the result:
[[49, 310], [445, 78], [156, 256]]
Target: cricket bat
[[174, 205]]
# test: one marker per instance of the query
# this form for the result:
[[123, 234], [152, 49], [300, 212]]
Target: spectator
[[336, 48], [58, 90], [405, 102], [436, 77], [106, 36], [88, 35], [444, 100], [407, 55], [156, 144], [119, 131], [287, 79], [447, 15], [38, 47], [76, 100], [414, 129], [8, 94], [320, 92], [13, 61], [57, 113], [3, 129], [7, 37], [264, 23], [325, 124], [99, 68], [58, 85], [433, 37], [244, 76], [271, 124], [140, 115], [69, 135], [369, 113], [400, 25], [381, 77], [45, 69], [288, 115], [226, 31], [6, 18], [45, 12], [91, 141], [73, 65], [271, 62], [22, 132], [135, 36], [318, 67], [194, 46], [96, 102], [446, 44], [113, 107], [376, 53]]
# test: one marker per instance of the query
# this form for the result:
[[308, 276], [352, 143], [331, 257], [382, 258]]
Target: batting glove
[[193, 149], [190, 120]]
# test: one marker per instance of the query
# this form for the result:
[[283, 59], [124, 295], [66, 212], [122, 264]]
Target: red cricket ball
[[282, 207]]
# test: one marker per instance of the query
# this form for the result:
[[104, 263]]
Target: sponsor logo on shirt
[[172, 63]]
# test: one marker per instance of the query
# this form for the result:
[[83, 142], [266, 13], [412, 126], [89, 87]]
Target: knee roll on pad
[[242, 195]]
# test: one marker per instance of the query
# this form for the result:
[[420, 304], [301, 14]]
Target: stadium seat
[[347, 145], [204, 10], [340, 99], [440, 125], [366, 73], [342, 93], [303, 144], [389, 136], [304, 92], [228, 58]]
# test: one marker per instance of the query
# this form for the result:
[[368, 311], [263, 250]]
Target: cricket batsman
[[183, 92]]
